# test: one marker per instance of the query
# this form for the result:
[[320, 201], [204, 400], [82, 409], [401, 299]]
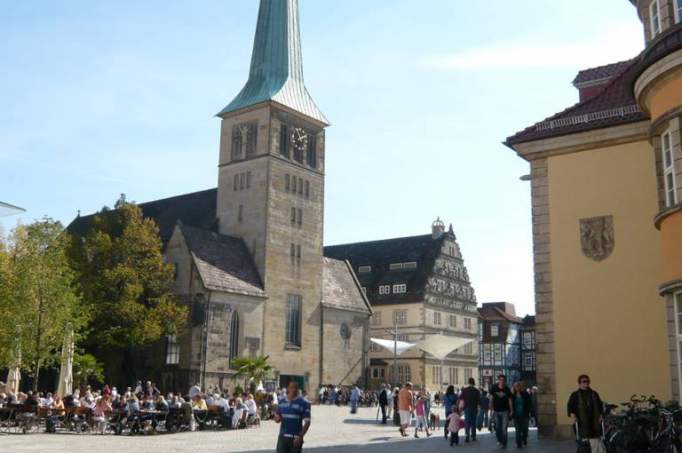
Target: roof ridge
[[380, 240], [601, 67], [177, 196]]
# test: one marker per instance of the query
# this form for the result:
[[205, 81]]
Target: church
[[248, 255]]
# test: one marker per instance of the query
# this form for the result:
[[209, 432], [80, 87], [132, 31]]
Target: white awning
[[440, 345], [398, 346], [7, 209]]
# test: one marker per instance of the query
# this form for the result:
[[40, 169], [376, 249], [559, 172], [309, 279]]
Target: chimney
[[437, 228]]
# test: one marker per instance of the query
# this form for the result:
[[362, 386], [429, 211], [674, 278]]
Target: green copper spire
[[276, 64]]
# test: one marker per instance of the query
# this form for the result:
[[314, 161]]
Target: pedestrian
[[396, 411], [449, 401], [294, 415], [484, 409], [502, 409], [522, 410], [383, 403], [472, 399], [453, 424], [585, 408], [405, 407], [354, 397], [420, 411]]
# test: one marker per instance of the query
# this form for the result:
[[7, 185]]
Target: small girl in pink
[[420, 411], [454, 423]]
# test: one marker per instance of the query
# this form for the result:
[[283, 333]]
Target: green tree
[[125, 280], [86, 368], [252, 370], [37, 287]]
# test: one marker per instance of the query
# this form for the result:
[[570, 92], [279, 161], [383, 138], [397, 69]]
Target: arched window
[[234, 337]]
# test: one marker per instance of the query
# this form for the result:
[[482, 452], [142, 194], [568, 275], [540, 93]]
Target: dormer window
[[364, 269], [384, 289], [655, 17], [400, 288]]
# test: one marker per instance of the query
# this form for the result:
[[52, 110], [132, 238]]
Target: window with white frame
[[364, 269], [494, 330], [452, 321], [467, 323], [437, 318], [469, 348], [376, 318], [437, 375], [172, 350], [655, 17], [404, 373], [677, 302], [404, 337], [385, 289], [668, 161], [400, 288], [677, 5], [399, 317]]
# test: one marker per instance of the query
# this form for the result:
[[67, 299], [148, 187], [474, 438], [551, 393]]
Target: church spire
[[276, 64]]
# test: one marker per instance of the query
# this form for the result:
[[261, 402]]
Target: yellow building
[[606, 179]]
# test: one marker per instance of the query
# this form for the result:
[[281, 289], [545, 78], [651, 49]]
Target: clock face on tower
[[299, 139]]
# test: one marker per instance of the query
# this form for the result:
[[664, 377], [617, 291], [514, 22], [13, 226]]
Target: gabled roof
[[196, 209], [613, 106], [276, 63], [340, 289], [223, 262], [496, 314], [600, 72]]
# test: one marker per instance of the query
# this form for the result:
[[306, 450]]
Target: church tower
[[271, 190]]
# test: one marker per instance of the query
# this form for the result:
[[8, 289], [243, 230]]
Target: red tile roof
[[613, 106], [494, 313], [601, 72]]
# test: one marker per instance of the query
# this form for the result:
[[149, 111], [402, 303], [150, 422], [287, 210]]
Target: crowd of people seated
[[141, 408]]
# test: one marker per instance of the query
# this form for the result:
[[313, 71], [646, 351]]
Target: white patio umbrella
[[440, 346], [65, 386], [13, 378], [400, 346]]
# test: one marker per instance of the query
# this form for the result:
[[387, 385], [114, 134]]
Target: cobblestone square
[[333, 430]]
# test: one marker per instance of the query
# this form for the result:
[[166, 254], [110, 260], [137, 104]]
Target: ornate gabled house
[[417, 286], [606, 187], [500, 343], [249, 253]]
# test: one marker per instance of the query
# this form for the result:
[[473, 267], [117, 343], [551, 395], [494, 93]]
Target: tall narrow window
[[293, 321], [311, 153], [307, 187], [298, 253], [293, 183], [240, 214], [172, 350], [293, 216], [668, 170], [242, 181], [236, 181], [287, 183], [655, 16], [292, 253], [234, 336], [284, 141], [677, 302], [248, 179], [300, 186], [299, 217], [678, 10], [236, 144]]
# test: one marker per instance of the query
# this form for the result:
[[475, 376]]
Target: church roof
[[614, 105], [340, 289], [224, 262], [379, 255], [276, 63], [196, 209]]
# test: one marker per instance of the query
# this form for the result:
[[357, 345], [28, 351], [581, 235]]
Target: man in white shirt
[[251, 405]]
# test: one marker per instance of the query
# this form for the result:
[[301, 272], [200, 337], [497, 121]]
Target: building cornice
[[582, 141], [655, 72], [670, 287]]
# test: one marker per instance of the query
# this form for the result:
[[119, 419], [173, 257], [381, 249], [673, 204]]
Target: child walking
[[420, 410], [454, 424]]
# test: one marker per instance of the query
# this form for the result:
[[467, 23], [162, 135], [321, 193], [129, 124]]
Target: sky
[[103, 98]]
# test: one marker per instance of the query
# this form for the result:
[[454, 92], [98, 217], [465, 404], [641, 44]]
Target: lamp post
[[394, 332]]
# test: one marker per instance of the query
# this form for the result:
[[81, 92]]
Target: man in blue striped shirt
[[294, 415]]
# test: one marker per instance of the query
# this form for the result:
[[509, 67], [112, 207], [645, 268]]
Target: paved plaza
[[333, 430]]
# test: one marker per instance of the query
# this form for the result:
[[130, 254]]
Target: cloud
[[616, 42]]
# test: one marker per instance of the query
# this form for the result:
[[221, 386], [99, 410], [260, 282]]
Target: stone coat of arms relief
[[597, 237]]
